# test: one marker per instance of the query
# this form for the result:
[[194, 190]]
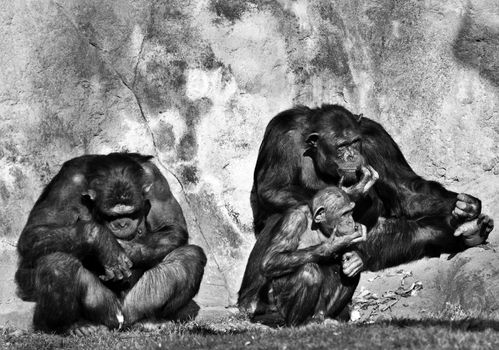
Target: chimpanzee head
[[117, 190], [332, 212], [335, 144]]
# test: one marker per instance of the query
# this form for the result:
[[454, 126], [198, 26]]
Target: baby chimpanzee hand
[[352, 264]]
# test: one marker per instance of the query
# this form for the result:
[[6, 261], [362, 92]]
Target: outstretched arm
[[397, 241]]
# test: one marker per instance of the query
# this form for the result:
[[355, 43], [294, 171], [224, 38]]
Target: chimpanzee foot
[[85, 329], [476, 231], [320, 318]]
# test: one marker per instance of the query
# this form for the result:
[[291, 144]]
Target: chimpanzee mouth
[[123, 228], [349, 177]]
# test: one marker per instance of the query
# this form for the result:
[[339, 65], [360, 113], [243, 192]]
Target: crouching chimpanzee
[[106, 245], [303, 260], [305, 150]]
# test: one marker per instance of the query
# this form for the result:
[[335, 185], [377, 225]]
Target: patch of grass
[[237, 333]]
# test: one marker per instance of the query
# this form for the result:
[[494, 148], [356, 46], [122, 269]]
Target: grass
[[237, 333]]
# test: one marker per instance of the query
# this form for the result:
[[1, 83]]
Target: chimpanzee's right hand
[[116, 265], [111, 255], [360, 189]]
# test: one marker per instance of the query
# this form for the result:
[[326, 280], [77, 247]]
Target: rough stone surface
[[195, 82]]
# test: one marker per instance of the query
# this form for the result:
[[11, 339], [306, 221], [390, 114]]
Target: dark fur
[[287, 175], [64, 247], [305, 281]]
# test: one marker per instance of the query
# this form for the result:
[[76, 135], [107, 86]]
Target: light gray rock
[[195, 83]]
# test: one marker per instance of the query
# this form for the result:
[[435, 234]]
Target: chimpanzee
[[106, 245], [303, 264], [304, 150]]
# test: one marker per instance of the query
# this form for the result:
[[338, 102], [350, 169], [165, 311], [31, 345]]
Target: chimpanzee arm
[[81, 239], [38, 241], [278, 170], [397, 241], [403, 192], [150, 248], [283, 256]]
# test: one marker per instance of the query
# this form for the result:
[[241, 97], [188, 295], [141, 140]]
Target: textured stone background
[[195, 83]]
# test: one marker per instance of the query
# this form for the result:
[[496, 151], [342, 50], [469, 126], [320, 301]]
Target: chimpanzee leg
[[168, 286], [66, 292], [296, 295], [337, 291]]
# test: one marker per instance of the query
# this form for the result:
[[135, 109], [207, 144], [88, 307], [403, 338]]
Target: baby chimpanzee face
[[333, 211]]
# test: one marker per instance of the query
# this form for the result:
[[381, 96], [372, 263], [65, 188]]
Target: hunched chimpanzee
[[303, 261], [106, 245], [304, 150]]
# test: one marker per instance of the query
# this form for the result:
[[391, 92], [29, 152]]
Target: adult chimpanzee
[[305, 150], [106, 244], [302, 262]]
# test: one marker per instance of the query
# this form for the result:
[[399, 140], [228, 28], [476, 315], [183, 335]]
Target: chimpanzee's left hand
[[467, 208], [351, 264]]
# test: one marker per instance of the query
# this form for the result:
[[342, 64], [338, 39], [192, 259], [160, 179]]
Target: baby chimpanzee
[[308, 269]]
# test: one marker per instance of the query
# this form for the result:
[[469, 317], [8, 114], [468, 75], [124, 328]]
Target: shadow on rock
[[477, 46]]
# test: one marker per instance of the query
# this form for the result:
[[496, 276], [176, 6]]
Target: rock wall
[[194, 83]]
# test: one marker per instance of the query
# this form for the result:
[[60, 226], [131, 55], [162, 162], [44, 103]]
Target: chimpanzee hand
[[360, 234], [335, 244], [368, 179], [467, 208], [110, 254], [352, 264], [475, 232], [116, 265]]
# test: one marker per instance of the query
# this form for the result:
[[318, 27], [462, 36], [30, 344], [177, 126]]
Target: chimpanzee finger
[[108, 275], [127, 273], [359, 239], [460, 213], [466, 198], [366, 175], [352, 268], [340, 184], [490, 226], [481, 218], [487, 226], [462, 205], [118, 275], [129, 263], [374, 173]]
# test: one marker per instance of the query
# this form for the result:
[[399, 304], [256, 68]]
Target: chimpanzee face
[[337, 149], [333, 210], [345, 225], [118, 198]]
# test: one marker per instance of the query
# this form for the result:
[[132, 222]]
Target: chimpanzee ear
[[312, 139], [90, 194], [359, 117], [320, 215]]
